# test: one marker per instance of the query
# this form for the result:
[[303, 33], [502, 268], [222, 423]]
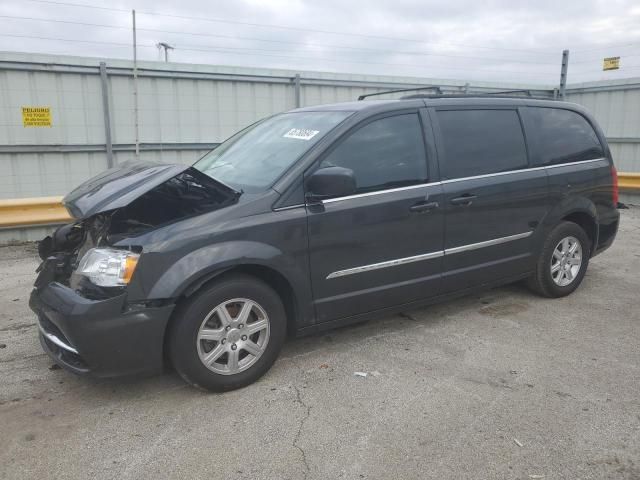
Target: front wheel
[[229, 334], [563, 261]]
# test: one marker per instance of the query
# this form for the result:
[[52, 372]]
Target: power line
[[253, 52], [288, 27], [219, 20], [97, 42], [198, 34], [70, 22], [70, 4], [236, 51], [606, 47]]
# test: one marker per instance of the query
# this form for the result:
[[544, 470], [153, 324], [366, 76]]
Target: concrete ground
[[501, 384]]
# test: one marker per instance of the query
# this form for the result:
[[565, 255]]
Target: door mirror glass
[[330, 182]]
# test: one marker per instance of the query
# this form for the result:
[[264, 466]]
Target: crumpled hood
[[118, 187]]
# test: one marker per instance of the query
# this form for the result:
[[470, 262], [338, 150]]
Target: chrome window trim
[[428, 256], [486, 243], [531, 169], [487, 175], [289, 207], [568, 164], [379, 192], [54, 339], [388, 263]]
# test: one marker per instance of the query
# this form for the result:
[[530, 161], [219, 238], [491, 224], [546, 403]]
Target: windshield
[[254, 158]]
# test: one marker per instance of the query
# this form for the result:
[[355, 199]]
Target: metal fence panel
[[616, 106], [179, 106], [185, 109]]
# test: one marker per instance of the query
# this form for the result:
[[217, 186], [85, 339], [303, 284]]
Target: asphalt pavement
[[501, 384]]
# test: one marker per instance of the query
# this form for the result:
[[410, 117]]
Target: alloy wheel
[[566, 261], [233, 336]]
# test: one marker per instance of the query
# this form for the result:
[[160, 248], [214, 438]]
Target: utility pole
[[135, 87], [166, 47], [563, 73]]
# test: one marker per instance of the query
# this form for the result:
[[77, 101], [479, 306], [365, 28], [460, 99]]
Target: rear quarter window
[[479, 142], [560, 136]]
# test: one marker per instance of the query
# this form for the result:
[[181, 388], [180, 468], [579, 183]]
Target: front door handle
[[424, 206], [464, 200]]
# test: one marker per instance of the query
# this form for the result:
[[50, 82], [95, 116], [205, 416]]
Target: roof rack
[[400, 90], [442, 91]]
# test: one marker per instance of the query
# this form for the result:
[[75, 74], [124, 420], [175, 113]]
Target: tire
[[566, 278], [199, 333]]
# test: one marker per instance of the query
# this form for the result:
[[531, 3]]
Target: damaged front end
[[187, 194], [80, 295]]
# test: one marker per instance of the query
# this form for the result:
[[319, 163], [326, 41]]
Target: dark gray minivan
[[316, 218]]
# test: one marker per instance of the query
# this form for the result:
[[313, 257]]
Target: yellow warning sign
[[36, 116], [611, 63]]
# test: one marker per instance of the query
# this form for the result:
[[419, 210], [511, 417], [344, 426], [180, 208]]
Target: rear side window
[[478, 142], [385, 153], [561, 136]]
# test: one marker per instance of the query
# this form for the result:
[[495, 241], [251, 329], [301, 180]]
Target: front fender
[[209, 259]]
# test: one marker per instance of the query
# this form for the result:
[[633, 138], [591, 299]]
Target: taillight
[[614, 175]]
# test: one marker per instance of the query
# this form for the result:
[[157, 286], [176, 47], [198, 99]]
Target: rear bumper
[[607, 230], [100, 337]]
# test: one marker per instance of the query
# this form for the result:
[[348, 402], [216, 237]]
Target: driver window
[[385, 153]]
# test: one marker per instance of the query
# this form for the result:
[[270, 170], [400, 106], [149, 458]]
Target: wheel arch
[[588, 223], [579, 210], [269, 275]]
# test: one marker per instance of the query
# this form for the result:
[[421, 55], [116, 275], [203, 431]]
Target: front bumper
[[102, 337]]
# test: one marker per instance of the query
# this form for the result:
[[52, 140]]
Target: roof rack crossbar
[[437, 89], [475, 95], [468, 91], [510, 92]]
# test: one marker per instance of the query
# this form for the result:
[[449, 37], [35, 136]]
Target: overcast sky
[[468, 40]]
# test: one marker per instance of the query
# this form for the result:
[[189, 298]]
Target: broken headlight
[[108, 267]]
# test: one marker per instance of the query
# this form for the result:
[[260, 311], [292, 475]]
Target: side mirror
[[330, 182]]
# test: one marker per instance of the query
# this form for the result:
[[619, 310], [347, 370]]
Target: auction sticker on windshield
[[301, 133]]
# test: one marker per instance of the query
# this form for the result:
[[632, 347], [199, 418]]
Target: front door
[[382, 246], [494, 200]]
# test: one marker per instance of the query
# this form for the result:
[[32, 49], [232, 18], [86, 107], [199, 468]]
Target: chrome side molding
[[428, 256], [387, 264], [487, 243]]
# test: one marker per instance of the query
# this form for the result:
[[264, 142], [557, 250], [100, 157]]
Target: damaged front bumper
[[106, 337]]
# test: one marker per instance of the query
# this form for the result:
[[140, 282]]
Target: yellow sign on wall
[[36, 116], [611, 63]]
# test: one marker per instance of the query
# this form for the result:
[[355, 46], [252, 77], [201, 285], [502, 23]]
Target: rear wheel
[[228, 335], [563, 261]]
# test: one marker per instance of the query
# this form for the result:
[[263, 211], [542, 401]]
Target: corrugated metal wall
[[183, 111], [616, 105]]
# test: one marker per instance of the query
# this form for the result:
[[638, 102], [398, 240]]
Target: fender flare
[[203, 264], [570, 206]]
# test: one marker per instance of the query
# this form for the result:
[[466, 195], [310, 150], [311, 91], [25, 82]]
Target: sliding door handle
[[464, 200]]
